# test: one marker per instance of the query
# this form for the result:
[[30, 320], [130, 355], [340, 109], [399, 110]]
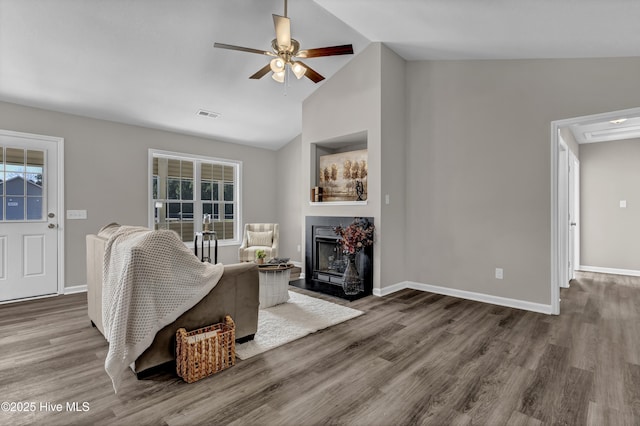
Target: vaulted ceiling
[[152, 62]]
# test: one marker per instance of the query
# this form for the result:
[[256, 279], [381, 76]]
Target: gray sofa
[[236, 294]]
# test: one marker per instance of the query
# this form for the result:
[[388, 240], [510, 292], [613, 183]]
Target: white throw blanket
[[150, 279]]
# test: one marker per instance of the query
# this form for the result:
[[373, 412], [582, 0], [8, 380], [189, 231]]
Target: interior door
[[28, 222]]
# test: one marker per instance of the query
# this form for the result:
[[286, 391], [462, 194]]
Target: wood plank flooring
[[413, 358]]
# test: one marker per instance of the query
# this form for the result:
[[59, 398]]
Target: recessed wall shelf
[[338, 203]]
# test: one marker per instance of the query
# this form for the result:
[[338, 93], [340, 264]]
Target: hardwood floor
[[413, 358]]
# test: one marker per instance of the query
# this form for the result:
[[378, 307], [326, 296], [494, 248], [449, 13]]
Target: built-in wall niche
[[340, 170]]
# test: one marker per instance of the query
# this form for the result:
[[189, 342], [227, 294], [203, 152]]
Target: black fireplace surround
[[325, 262]]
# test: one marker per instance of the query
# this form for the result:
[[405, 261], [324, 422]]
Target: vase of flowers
[[355, 238]]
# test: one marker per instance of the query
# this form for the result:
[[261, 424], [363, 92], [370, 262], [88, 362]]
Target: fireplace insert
[[324, 261]]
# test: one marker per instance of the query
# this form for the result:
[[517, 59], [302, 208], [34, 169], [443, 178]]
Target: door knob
[[52, 225], [573, 224]]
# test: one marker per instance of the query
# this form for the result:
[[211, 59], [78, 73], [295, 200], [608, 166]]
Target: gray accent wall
[[478, 165], [106, 174], [366, 97], [346, 104], [610, 235]]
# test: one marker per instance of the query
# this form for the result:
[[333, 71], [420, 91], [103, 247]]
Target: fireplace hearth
[[325, 262]]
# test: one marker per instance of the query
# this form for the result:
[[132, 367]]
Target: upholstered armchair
[[259, 236]]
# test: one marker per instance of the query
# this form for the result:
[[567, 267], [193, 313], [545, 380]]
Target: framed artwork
[[343, 176]]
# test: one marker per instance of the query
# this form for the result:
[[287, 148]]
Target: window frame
[[197, 199]]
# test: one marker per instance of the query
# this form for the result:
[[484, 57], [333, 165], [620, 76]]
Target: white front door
[[28, 216]]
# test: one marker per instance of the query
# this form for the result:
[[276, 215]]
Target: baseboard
[[614, 271], [75, 289], [390, 289], [469, 295], [27, 299]]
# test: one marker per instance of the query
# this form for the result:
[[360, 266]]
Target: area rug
[[287, 322]]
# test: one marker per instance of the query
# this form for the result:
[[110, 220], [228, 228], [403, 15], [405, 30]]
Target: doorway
[[30, 204], [565, 199]]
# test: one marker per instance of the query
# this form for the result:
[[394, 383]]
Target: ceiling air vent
[[209, 114]]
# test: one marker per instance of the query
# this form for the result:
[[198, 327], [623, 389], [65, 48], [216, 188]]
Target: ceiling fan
[[286, 53]]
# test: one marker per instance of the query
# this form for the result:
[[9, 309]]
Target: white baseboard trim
[[26, 299], [614, 271], [464, 294], [390, 289], [75, 289]]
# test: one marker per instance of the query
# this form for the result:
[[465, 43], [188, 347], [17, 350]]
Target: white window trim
[[237, 166]]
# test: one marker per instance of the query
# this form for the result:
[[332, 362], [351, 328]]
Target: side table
[[274, 284], [206, 236]]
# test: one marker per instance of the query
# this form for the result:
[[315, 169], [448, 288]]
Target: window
[[21, 184], [185, 187]]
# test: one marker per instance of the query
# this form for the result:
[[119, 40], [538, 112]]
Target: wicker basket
[[205, 351]]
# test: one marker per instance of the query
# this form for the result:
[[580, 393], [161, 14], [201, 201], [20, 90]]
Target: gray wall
[[366, 97], [106, 174], [288, 192], [478, 164], [610, 235], [346, 104], [393, 168]]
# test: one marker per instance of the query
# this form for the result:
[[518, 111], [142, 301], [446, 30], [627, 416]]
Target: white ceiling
[[152, 62], [496, 29]]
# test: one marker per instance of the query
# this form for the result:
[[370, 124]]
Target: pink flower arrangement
[[356, 236]]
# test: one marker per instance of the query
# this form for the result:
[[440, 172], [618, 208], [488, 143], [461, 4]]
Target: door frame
[[60, 201], [574, 214], [563, 211], [556, 267]]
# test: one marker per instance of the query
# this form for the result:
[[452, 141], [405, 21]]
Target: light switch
[[386, 199], [76, 214], [623, 204]]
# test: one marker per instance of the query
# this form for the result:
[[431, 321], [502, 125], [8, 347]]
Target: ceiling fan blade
[[283, 31], [261, 72], [311, 74], [242, 49], [345, 49]]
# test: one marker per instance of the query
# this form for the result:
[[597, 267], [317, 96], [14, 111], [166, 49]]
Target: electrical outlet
[[499, 273], [623, 204]]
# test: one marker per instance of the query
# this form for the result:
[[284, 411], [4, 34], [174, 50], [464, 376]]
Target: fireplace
[[324, 261]]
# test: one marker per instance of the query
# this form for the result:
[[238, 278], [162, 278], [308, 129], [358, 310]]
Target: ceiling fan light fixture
[[278, 76], [298, 69], [277, 65], [285, 51]]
